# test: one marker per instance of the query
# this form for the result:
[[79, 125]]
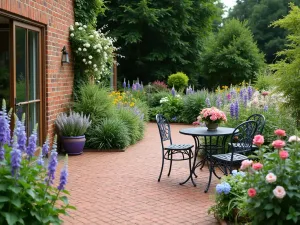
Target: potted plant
[[212, 117], [72, 128]]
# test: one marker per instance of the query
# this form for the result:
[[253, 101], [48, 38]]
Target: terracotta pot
[[211, 126], [73, 145]]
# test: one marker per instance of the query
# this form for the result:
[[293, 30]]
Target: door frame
[[41, 28]]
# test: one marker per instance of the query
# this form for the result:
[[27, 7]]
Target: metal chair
[[240, 143], [173, 152]]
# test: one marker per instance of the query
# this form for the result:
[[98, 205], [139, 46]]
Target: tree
[[287, 71], [230, 56], [260, 14], [158, 38]]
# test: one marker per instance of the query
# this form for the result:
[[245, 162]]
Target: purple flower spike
[[63, 176], [236, 109], [2, 152], [40, 160], [45, 148], [219, 102], [232, 110], [250, 92], [21, 133], [134, 87], [266, 108], [31, 148], [124, 83], [173, 91], [4, 125], [16, 157], [207, 102], [52, 163], [128, 84], [245, 99]]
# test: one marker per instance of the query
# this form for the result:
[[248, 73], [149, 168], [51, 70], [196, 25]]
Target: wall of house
[[57, 16]]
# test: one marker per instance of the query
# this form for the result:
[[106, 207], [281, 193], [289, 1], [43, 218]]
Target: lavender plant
[[73, 125], [25, 197]]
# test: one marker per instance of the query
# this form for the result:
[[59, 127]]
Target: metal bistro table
[[211, 146]]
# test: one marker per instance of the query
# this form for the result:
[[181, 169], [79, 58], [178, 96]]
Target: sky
[[228, 4]]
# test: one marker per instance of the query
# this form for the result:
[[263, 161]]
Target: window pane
[[33, 65], [33, 117], [21, 64]]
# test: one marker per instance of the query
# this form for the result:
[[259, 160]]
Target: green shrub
[[141, 129], [179, 80], [153, 112], [264, 81], [144, 108], [111, 133], [171, 108], [131, 121], [192, 105], [94, 101], [154, 98]]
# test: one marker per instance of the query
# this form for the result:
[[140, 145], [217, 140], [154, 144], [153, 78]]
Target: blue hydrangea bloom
[[226, 188], [219, 188], [242, 173], [234, 172]]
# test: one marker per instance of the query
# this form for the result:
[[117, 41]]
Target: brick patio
[[122, 187]]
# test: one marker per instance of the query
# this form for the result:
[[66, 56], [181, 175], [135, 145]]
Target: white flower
[[79, 49], [271, 178], [79, 28], [165, 99], [87, 45], [90, 57], [94, 65], [279, 192], [95, 46], [91, 36], [84, 26], [95, 69], [84, 60], [71, 28], [84, 49], [294, 138], [89, 62], [98, 50], [80, 24], [76, 23], [72, 35]]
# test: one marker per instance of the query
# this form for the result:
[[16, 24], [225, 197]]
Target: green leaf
[[269, 214], [3, 187], [277, 210], [269, 206], [11, 218], [31, 193], [64, 199], [71, 207], [289, 217], [15, 190], [16, 202], [4, 199]]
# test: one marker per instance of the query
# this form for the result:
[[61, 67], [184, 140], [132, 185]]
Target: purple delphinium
[[4, 125], [219, 102], [138, 86], [207, 102], [52, 162], [245, 99], [233, 93], [250, 92], [124, 83], [173, 91], [242, 93], [21, 133], [232, 110], [16, 157], [134, 87], [236, 109], [63, 176], [31, 148], [266, 108], [45, 148], [128, 85], [141, 86], [40, 160]]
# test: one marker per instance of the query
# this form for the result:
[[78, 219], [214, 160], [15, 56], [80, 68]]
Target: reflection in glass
[[21, 64], [4, 64], [33, 117], [33, 65]]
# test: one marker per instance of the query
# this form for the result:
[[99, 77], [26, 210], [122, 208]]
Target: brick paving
[[122, 188]]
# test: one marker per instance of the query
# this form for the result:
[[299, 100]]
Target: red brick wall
[[57, 16]]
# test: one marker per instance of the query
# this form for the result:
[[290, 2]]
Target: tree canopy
[[230, 56], [158, 38], [260, 14]]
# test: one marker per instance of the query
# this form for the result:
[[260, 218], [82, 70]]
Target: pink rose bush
[[271, 178], [280, 133], [212, 115], [279, 144], [258, 140]]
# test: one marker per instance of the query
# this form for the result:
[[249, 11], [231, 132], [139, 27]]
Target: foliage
[[276, 196], [123, 98], [159, 38], [143, 108], [231, 204], [264, 81], [27, 195], [159, 86], [286, 71], [72, 125], [260, 14], [93, 50], [94, 101], [86, 12], [171, 107], [111, 133], [154, 98], [178, 80], [231, 55], [191, 105]]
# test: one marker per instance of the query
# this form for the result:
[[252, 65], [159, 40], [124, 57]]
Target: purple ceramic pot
[[73, 145]]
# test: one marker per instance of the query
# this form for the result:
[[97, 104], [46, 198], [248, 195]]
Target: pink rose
[[271, 178], [251, 192], [279, 192], [278, 144], [257, 166], [195, 123], [280, 132], [265, 93], [245, 164], [258, 140], [283, 154], [213, 118]]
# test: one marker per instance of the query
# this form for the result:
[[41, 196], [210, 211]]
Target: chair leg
[[170, 165], [211, 165], [191, 169], [162, 167]]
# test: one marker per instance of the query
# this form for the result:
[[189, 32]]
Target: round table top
[[202, 131]]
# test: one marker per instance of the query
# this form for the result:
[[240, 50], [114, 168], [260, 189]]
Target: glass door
[[27, 74]]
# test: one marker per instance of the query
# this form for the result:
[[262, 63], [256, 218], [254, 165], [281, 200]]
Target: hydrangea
[[238, 173], [224, 187]]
